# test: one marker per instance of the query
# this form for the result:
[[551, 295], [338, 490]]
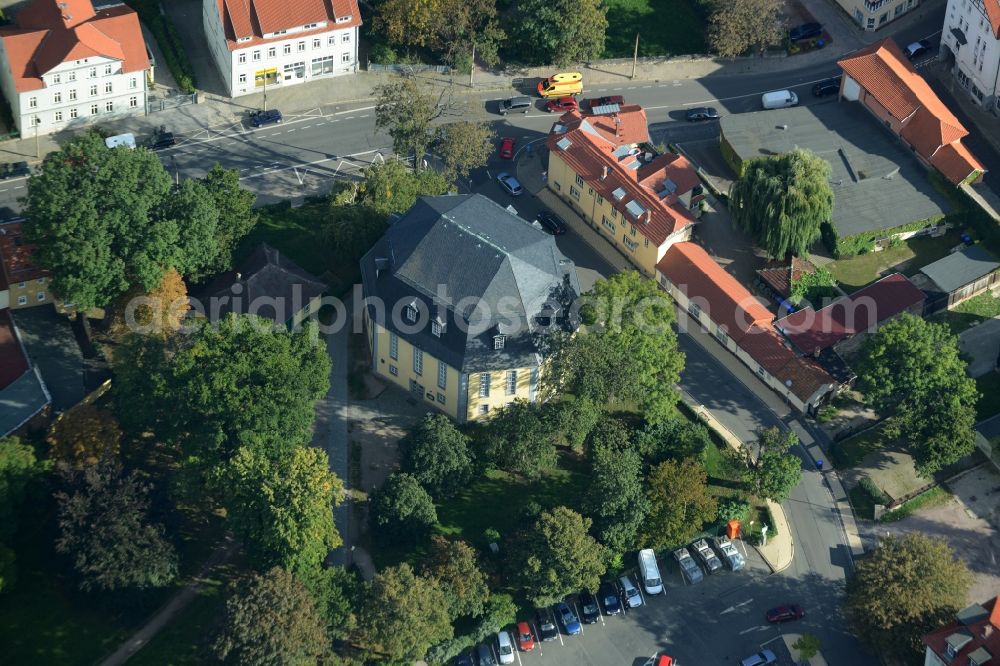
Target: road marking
[[19, 187], [289, 131], [754, 94], [739, 605], [364, 108], [3, 190], [306, 127], [579, 617], [753, 629], [340, 158], [364, 116]]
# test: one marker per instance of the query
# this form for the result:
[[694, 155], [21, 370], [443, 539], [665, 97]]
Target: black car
[[610, 598], [162, 140], [546, 625], [917, 49], [485, 654], [261, 118], [827, 87], [19, 170], [805, 31], [464, 659], [551, 223], [702, 113], [590, 612]]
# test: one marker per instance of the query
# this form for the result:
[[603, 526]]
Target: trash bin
[[819, 465]]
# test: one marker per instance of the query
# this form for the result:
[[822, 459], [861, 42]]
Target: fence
[[155, 104], [408, 69]]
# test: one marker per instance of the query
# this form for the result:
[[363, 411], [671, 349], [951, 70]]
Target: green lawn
[[933, 497], [294, 231], [862, 503], [971, 312], [989, 402], [852, 450], [666, 27], [855, 272]]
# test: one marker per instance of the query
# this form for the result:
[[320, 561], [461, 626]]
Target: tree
[[8, 568], [673, 439], [236, 216], [680, 503], [464, 146], [518, 440], [336, 592], [911, 372], [448, 27], [104, 529], [270, 620], [403, 615], [559, 32], [105, 219], [402, 510], [406, 109], [390, 187], [628, 353], [84, 435], [282, 509], [571, 420], [438, 456], [774, 470], [908, 586], [19, 470], [616, 499], [557, 556], [455, 566], [158, 312], [782, 201], [807, 645], [741, 25]]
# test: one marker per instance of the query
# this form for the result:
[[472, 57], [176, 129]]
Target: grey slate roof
[[960, 268], [21, 400], [480, 268], [877, 184]]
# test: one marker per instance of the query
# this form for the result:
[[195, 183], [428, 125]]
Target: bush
[[772, 528], [876, 493], [169, 41], [442, 653], [829, 237], [733, 508], [382, 54]]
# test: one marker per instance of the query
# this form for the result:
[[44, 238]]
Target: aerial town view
[[481, 332]]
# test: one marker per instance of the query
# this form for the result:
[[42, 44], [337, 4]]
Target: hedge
[[877, 494], [168, 39], [863, 243]]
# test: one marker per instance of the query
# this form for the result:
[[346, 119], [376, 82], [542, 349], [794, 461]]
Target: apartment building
[[24, 284], [260, 43], [971, 639], [63, 64], [874, 14], [971, 38]]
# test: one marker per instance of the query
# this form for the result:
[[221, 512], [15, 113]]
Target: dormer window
[[244, 39], [343, 19], [436, 329], [499, 341], [411, 312]]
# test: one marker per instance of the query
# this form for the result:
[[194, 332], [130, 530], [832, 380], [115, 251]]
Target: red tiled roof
[[767, 347], [588, 143], [255, 18], [803, 377], [16, 255], [984, 634], [812, 331], [35, 47], [956, 162], [13, 363], [993, 14], [717, 293], [780, 276]]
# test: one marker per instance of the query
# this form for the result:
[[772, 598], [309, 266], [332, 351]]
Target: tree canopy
[[401, 509], [559, 32], [628, 353], [616, 499], [19, 469], [773, 471], [737, 26], [83, 435], [910, 371], [463, 146], [158, 312], [407, 109], [270, 620], [448, 27], [908, 586], [679, 503], [782, 201], [517, 439], [674, 439], [455, 566], [437, 454]]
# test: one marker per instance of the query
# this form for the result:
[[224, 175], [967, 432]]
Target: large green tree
[[674, 439], [455, 566], [679, 503], [235, 208], [450, 28], [557, 556], [19, 470], [571, 420], [282, 509], [407, 109], [437, 454], [616, 499], [402, 510], [517, 439], [403, 614], [782, 201], [558, 32], [910, 371], [105, 530], [772, 471], [908, 586], [463, 146], [737, 26], [270, 620], [627, 354], [336, 592]]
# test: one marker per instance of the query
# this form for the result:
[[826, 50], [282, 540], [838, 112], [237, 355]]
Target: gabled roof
[[22, 391], [993, 15], [812, 331], [782, 275], [603, 150], [974, 634], [956, 162], [44, 39], [253, 19], [13, 362], [961, 268], [16, 255]]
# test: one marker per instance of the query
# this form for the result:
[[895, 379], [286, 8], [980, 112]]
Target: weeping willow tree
[[782, 201]]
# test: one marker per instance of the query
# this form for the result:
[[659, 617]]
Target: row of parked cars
[[710, 558]]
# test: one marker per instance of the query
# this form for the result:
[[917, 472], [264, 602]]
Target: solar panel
[[605, 109], [564, 143]]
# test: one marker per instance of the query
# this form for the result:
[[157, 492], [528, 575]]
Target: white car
[[506, 647], [760, 659], [631, 592], [510, 184]]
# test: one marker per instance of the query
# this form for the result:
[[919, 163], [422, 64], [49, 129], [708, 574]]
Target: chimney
[[605, 170]]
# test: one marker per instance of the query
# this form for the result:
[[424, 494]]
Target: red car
[[507, 147], [525, 639], [604, 101], [785, 614], [561, 105]]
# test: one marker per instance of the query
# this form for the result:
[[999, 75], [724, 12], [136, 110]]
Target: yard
[[989, 400], [908, 257], [294, 231], [665, 27], [971, 312]]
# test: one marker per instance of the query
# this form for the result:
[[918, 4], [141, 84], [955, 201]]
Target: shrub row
[[168, 39], [877, 494]]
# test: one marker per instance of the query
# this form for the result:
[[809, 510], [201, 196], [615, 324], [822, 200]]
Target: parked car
[[464, 659], [162, 139], [507, 147], [760, 659], [269, 117], [551, 223], [705, 554], [590, 612], [699, 113], [19, 170], [649, 572], [546, 624], [688, 566], [568, 619], [805, 31], [561, 105], [520, 103], [4, 171], [525, 639], [785, 614], [917, 49], [510, 184], [610, 598], [630, 591], [505, 647], [826, 87], [485, 654], [605, 101], [728, 553], [779, 99]]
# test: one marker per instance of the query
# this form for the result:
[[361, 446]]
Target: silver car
[[706, 555], [510, 184], [690, 568]]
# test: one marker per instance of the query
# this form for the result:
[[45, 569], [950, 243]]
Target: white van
[[779, 99], [632, 596], [650, 572], [127, 140]]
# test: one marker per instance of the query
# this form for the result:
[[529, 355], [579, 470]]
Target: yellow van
[[561, 85]]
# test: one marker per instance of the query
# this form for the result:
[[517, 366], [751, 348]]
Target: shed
[[960, 276]]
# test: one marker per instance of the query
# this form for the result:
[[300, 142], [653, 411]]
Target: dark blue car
[[269, 117], [568, 619], [610, 598]]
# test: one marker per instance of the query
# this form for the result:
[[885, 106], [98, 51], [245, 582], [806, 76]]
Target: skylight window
[[618, 194]]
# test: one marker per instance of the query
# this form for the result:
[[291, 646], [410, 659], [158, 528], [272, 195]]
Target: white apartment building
[[260, 43], [64, 64], [971, 37], [872, 15]]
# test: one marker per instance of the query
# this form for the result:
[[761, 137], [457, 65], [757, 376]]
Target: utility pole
[[635, 55], [265, 90], [472, 68], [38, 150]]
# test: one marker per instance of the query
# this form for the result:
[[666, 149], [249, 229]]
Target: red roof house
[[972, 639]]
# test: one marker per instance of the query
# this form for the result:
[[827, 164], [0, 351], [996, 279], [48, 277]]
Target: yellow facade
[[30, 293], [457, 394], [600, 214]]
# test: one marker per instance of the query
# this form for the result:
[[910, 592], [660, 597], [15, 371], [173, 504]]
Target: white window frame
[[484, 384], [442, 375], [393, 346], [512, 382], [418, 361]]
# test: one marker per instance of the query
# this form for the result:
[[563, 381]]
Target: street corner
[[531, 164]]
